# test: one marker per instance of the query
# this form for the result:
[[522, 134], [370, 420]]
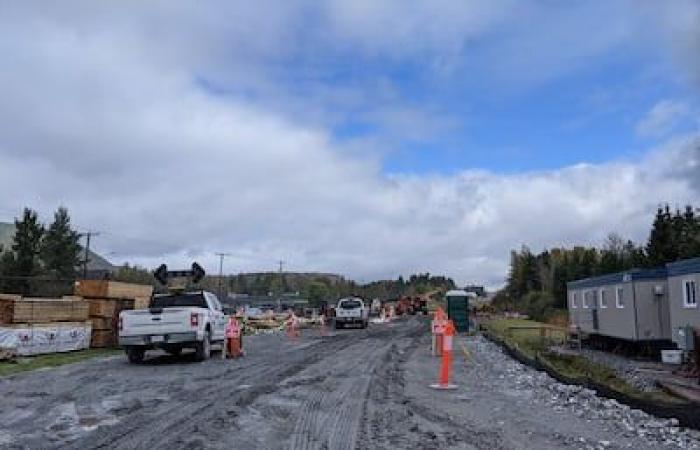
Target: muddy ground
[[355, 389]]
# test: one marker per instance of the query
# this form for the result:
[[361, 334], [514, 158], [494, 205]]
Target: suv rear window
[[350, 304], [180, 300]]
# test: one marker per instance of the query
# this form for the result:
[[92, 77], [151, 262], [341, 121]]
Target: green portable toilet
[[458, 309]]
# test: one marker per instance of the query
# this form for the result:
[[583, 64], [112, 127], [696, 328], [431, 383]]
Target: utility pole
[[221, 272], [281, 277], [86, 259]]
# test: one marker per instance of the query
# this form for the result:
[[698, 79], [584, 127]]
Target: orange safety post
[[233, 338], [444, 377], [438, 328]]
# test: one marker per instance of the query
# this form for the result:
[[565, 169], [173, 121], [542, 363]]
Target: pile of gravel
[[584, 403]]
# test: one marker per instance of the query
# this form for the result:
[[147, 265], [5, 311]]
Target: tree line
[[319, 288], [51, 252], [536, 283]]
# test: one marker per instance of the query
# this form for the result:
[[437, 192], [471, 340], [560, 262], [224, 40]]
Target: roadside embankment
[[522, 340]]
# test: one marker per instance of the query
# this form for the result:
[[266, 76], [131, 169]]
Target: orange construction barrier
[[438, 329], [446, 362], [232, 348]]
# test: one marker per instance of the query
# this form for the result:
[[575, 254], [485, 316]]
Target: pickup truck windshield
[[181, 300], [350, 304]]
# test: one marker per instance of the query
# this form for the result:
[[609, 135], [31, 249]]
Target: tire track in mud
[[329, 413], [396, 420], [202, 417], [172, 403]]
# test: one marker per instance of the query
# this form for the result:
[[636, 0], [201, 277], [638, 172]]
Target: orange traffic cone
[[444, 377]]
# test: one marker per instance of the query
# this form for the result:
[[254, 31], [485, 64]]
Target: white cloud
[[662, 118], [105, 112]]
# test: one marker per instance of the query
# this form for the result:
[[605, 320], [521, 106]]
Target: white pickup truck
[[351, 311], [173, 322]]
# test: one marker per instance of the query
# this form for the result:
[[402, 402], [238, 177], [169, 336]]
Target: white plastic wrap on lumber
[[46, 338]]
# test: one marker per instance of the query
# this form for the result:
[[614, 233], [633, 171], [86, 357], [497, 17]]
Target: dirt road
[[357, 389]]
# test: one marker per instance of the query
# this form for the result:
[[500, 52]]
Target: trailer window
[[603, 299], [690, 299], [619, 297], [585, 299], [574, 300]]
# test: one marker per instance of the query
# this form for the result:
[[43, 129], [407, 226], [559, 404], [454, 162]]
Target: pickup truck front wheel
[[203, 348], [135, 354]]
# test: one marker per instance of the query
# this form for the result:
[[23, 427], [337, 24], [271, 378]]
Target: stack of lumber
[[32, 326], [107, 299], [139, 293], [104, 314], [15, 309]]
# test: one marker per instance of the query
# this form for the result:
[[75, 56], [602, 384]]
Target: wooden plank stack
[[31, 326], [106, 300], [15, 309], [104, 314], [140, 293]]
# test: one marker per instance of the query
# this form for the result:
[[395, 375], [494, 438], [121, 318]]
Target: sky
[[365, 138]]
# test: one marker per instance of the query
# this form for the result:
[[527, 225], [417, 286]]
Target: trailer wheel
[[135, 354]]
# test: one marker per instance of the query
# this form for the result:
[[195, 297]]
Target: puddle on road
[[70, 421]]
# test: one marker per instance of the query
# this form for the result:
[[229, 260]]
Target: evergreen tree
[[60, 251], [316, 292], [27, 245], [689, 234], [24, 261], [661, 247]]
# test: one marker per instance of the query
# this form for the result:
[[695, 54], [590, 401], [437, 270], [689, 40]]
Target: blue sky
[[360, 137], [505, 87]]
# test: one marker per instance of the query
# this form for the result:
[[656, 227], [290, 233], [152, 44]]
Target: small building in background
[[684, 295], [631, 305]]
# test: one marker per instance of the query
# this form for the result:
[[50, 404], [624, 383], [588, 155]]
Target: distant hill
[[96, 263]]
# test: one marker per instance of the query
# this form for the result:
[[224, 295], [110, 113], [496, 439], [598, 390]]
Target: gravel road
[[355, 389]]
